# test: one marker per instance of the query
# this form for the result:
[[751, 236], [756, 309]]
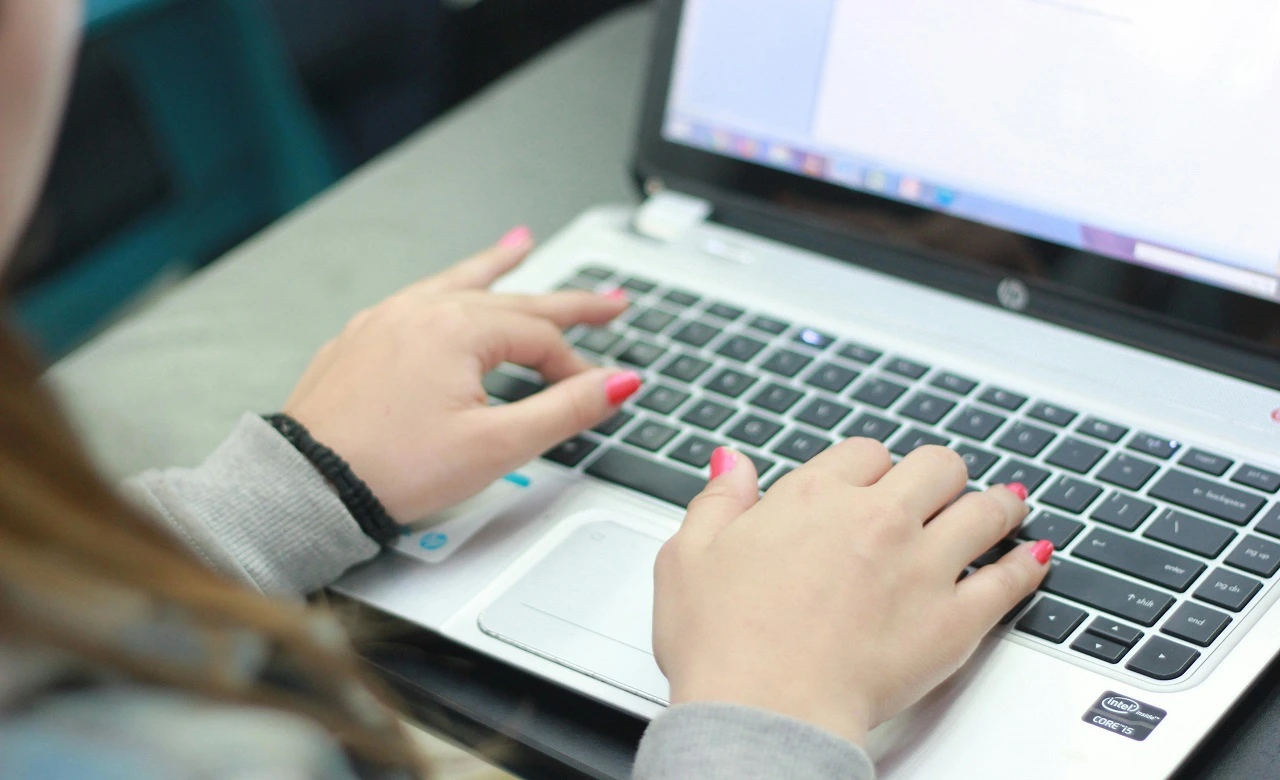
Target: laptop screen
[[1139, 130]]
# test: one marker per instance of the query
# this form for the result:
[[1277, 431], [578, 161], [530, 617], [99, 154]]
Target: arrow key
[[1115, 631], [1163, 659], [1100, 648], [1051, 619]]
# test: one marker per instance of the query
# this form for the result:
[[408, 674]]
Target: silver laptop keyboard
[[1162, 547]]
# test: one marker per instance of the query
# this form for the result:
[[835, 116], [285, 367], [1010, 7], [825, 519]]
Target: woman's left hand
[[398, 393]]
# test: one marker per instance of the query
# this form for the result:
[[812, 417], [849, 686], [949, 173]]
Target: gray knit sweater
[[257, 511]]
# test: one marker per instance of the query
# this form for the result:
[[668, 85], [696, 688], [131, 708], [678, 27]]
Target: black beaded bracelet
[[364, 506]]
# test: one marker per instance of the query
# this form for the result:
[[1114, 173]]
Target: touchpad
[[589, 606]]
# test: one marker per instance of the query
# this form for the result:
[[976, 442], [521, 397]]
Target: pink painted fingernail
[[616, 294], [722, 461], [1042, 551], [1018, 489], [515, 238], [620, 387]]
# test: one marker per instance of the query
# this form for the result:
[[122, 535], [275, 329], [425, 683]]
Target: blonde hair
[[77, 562]]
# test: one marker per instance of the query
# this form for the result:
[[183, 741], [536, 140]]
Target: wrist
[[845, 717]]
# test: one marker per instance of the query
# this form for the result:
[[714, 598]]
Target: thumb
[[734, 488], [563, 410]]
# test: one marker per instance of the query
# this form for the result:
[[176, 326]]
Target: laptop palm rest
[[588, 605]]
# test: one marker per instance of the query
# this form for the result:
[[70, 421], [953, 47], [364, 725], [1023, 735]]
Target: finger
[[508, 336], [565, 309], [561, 411], [993, 591], [861, 462], [973, 525], [926, 480], [733, 489], [481, 270]]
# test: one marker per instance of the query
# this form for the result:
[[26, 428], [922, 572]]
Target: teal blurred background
[[195, 123]]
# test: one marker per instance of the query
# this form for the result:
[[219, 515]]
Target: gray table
[[164, 386]]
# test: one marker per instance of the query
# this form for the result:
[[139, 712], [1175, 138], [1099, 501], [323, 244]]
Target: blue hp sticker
[[434, 541], [1124, 716]]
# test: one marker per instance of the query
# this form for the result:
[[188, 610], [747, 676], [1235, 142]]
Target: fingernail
[[616, 294], [620, 387], [1042, 551], [1018, 489], [515, 238], [722, 461]]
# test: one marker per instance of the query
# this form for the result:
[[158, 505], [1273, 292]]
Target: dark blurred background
[[194, 123]]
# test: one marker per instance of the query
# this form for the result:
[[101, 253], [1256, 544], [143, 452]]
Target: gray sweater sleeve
[[726, 741], [257, 511]]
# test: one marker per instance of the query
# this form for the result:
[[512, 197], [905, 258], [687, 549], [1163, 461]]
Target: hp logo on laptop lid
[[1013, 294]]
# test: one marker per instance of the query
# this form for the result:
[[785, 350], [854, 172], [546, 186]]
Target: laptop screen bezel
[[746, 196]]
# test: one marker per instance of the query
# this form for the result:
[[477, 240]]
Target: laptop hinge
[[667, 215]]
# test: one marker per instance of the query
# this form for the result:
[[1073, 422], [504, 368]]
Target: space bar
[[624, 468]]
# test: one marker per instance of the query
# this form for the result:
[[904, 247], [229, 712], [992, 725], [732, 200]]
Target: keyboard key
[[595, 272], [1215, 465], [638, 285], [1128, 472], [770, 325], [724, 311], [786, 363], [1192, 534], [1101, 429], [1054, 415], [641, 354], [927, 408], [1076, 455], [978, 461], [1228, 590], [662, 399], [740, 348], [879, 392], [647, 476], [1003, 399], [685, 368], [1154, 445], [755, 431], [823, 414], [860, 354], [1211, 498], [1197, 624], [696, 334], [1256, 556], [577, 283], [1254, 477], [650, 435], [652, 320], [907, 368], [1116, 632], [1017, 471], [1054, 528], [761, 463], [1100, 590], [1270, 522], [954, 383], [1102, 649], [1123, 511], [813, 338], [1162, 659], [731, 383], [829, 376], [506, 387], [1025, 439], [572, 452], [694, 451], [598, 341], [614, 424], [1051, 619], [777, 474], [870, 426], [777, 398], [801, 446], [1071, 494], [708, 414], [976, 423], [681, 298], [1139, 559], [914, 439]]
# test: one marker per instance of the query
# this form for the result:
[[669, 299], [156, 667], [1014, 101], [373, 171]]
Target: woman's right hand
[[834, 599]]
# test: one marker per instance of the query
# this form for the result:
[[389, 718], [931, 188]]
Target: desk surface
[[164, 386]]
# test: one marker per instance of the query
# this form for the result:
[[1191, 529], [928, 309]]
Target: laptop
[[1041, 232]]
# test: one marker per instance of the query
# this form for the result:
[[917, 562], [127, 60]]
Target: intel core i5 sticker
[[1124, 716]]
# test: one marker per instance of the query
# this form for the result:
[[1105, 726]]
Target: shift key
[[1212, 498], [1100, 590]]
